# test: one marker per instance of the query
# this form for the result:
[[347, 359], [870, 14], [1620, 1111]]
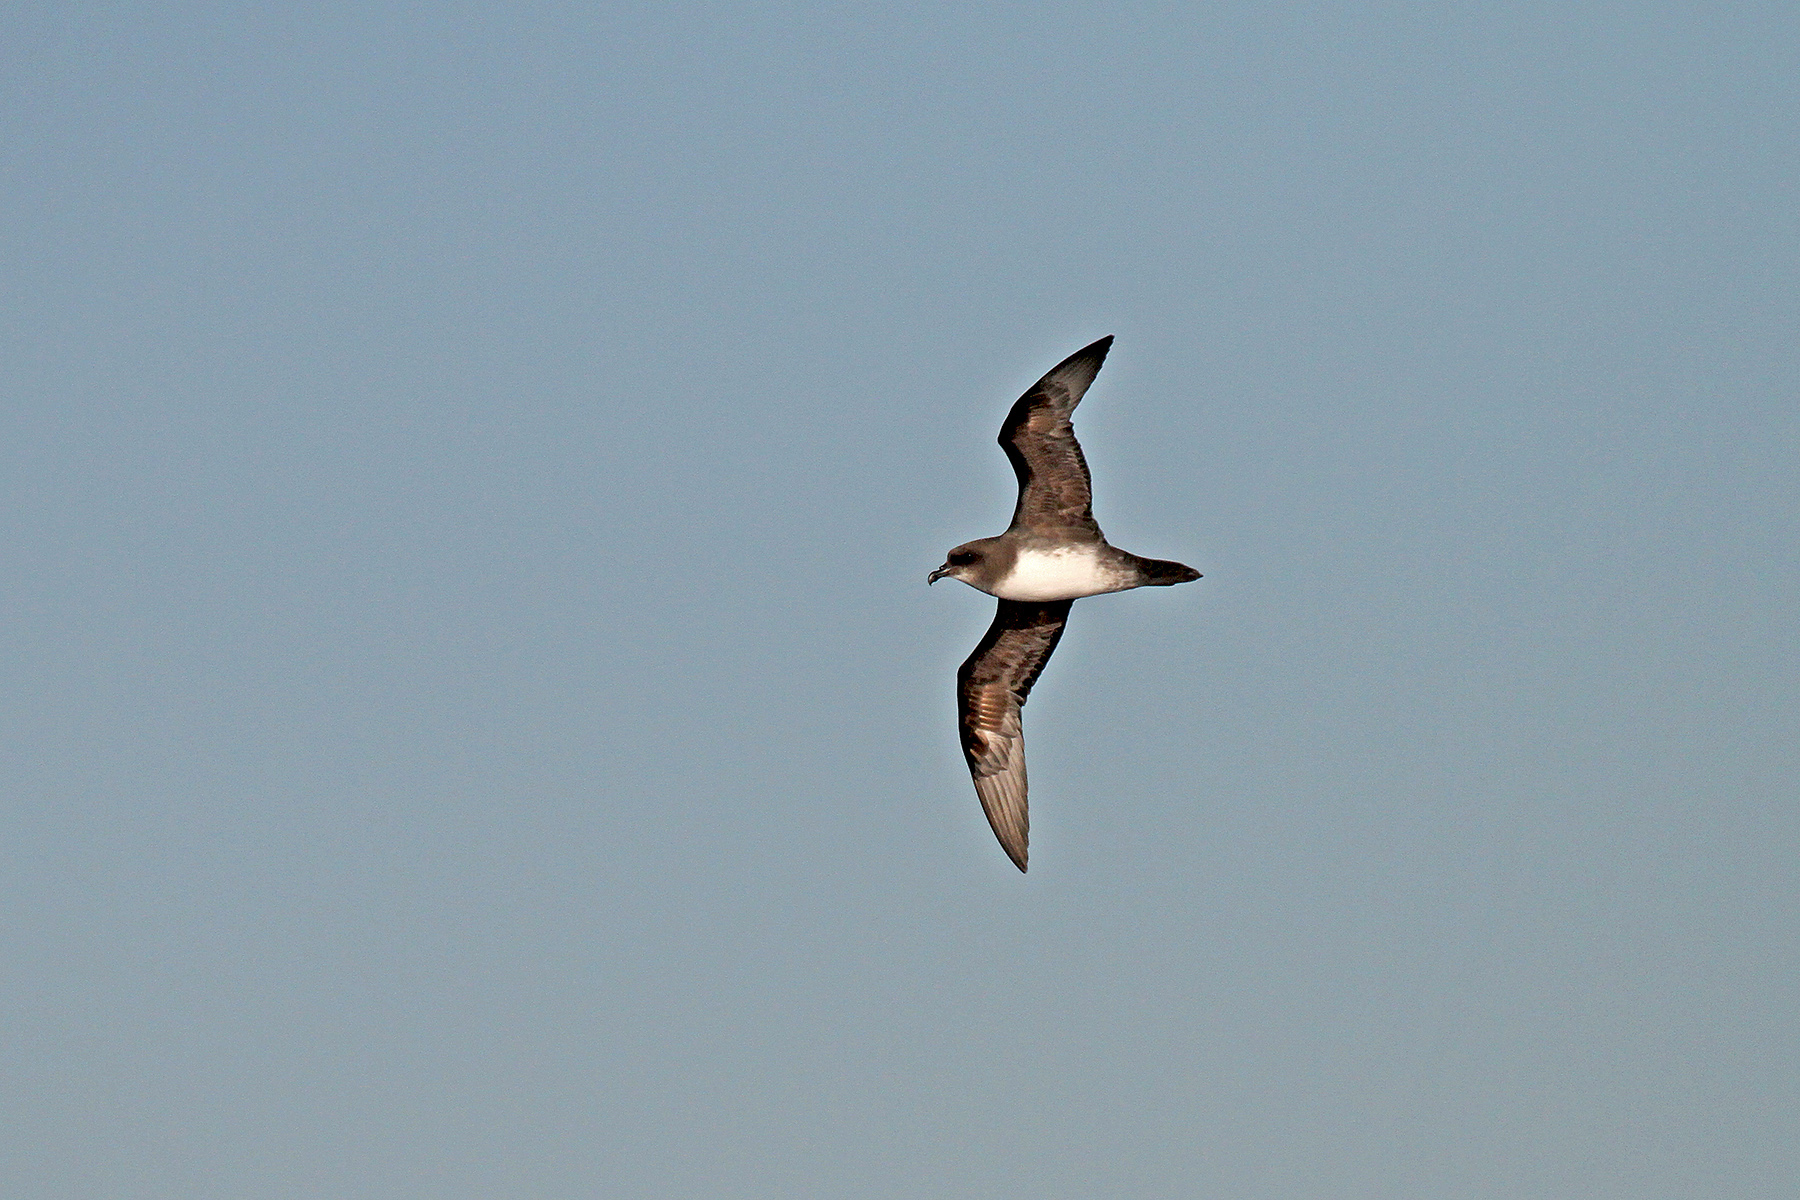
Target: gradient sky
[[476, 727]]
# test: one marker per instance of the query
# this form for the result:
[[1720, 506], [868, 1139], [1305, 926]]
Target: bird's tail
[[1160, 572]]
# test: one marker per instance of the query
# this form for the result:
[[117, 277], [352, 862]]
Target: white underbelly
[[1042, 575]]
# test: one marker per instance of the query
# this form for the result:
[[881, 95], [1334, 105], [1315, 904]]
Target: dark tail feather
[[1160, 572]]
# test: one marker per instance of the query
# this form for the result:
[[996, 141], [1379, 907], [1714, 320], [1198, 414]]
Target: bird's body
[[1052, 555], [1037, 570]]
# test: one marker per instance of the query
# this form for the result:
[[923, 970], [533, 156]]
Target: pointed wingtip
[[1093, 353], [1094, 350], [1014, 842], [1017, 855], [1003, 802]]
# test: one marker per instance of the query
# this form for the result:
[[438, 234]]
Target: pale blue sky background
[[476, 726]]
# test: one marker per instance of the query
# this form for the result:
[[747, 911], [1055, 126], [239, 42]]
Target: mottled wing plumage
[[1054, 492], [991, 687]]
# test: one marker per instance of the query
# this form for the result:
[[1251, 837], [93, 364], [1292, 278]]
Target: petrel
[[1051, 555]]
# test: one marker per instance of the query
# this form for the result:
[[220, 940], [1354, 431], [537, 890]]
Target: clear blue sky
[[475, 726]]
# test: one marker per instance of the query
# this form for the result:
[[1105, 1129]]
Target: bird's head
[[961, 563]]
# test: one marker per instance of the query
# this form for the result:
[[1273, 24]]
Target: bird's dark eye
[[963, 558]]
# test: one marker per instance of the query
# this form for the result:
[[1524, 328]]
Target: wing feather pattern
[[1054, 487], [991, 687]]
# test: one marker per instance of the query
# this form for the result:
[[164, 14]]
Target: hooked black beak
[[938, 574]]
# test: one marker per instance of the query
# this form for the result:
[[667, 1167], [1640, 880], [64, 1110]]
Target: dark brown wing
[[990, 689], [1038, 439]]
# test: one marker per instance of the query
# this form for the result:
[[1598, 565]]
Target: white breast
[[1040, 575]]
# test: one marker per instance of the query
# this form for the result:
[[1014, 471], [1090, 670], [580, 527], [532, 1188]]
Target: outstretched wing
[[1038, 439], [991, 687]]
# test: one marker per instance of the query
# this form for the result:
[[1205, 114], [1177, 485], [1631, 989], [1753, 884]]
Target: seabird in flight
[[1051, 555]]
